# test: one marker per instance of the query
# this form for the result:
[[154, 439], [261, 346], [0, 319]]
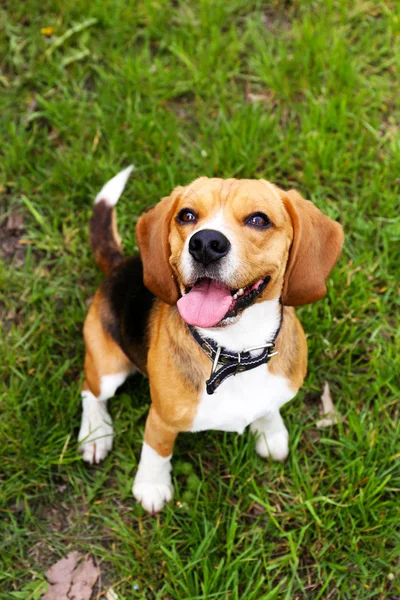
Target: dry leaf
[[96, 140], [331, 417], [111, 594], [254, 98], [83, 580], [69, 580], [59, 577], [31, 109], [15, 222]]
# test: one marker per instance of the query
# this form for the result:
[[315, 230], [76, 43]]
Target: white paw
[[95, 436], [152, 496], [276, 445]]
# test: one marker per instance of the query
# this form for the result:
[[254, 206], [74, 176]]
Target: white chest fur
[[247, 396]]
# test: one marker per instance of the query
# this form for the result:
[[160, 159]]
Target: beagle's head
[[218, 246]]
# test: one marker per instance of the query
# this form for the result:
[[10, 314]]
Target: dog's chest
[[247, 396], [242, 399]]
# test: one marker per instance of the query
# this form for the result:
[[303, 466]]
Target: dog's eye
[[258, 220], [187, 215]]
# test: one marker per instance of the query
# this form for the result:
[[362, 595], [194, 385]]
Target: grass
[[303, 94]]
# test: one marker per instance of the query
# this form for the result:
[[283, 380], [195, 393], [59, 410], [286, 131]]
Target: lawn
[[303, 94]]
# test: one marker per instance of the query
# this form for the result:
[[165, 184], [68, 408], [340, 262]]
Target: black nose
[[208, 246]]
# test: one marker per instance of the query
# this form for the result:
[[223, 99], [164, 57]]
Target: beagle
[[206, 311]]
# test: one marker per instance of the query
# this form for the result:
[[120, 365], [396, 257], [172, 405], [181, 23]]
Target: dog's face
[[218, 246], [229, 245]]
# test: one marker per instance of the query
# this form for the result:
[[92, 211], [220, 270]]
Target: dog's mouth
[[209, 302]]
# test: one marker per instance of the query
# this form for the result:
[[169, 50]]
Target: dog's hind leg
[[106, 368]]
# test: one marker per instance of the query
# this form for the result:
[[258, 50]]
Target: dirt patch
[[11, 253], [182, 106], [11, 230], [275, 18]]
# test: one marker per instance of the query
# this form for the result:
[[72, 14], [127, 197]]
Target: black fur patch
[[129, 303], [105, 247]]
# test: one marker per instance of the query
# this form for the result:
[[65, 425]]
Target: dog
[[206, 312]]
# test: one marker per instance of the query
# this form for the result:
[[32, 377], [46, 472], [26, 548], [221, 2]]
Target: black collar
[[233, 362]]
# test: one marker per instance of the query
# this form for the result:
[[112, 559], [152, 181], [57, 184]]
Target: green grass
[[306, 96]]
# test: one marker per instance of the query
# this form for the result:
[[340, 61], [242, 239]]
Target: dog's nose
[[208, 245]]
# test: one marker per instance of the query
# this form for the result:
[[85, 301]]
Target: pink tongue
[[206, 304]]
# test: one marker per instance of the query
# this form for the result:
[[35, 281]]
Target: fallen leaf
[[83, 580], [31, 109], [96, 140], [257, 97], [4, 81], [69, 580], [15, 222], [111, 594], [256, 509], [10, 316], [59, 577], [331, 417]]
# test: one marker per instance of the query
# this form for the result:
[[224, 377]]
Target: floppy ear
[[152, 233], [316, 246]]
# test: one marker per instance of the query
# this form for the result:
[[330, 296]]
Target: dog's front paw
[[276, 445], [95, 437], [152, 496]]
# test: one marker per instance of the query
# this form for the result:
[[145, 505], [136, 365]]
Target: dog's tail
[[103, 233]]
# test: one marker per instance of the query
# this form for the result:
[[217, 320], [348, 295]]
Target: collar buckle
[[238, 363], [215, 363], [233, 362], [267, 345]]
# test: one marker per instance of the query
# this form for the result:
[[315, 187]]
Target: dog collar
[[232, 362]]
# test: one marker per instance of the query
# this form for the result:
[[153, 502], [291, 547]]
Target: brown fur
[[103, 355], [261, 252], [104, 239], [152, 233], [291, 344], [176, 366], [175, 385], [159, 434], [316, 246], [181, 347], [300, 236], [174, 394]]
